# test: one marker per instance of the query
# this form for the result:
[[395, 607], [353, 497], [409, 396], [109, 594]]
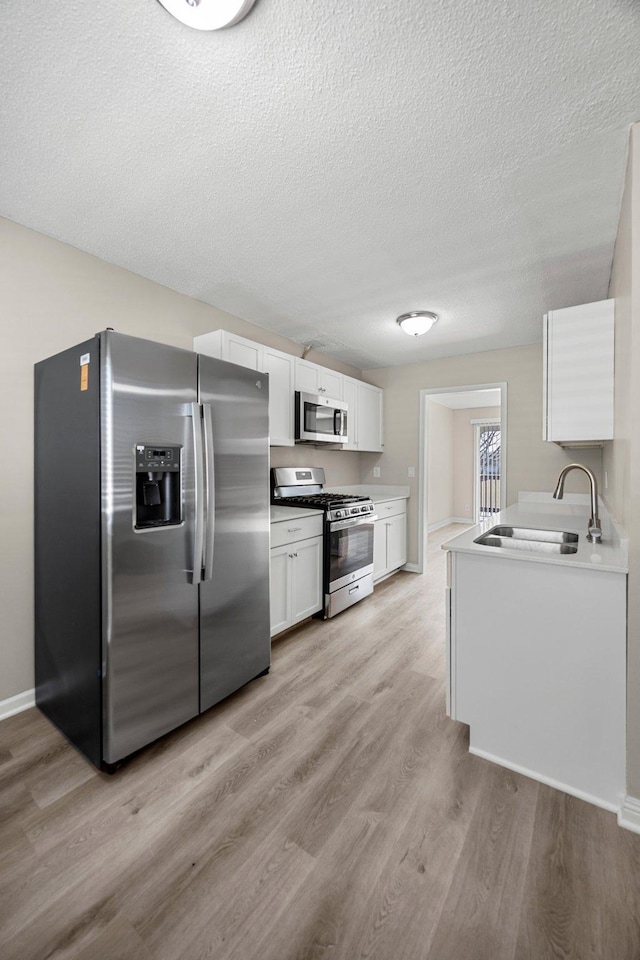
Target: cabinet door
[[370, 418], [244, 352], [307, 376], [396, 541], [330, 383], [210, 344], [229, 346], [380, 565], [312, 378], [279, 366], [306, 580], [280, 588], [579, 355], [350, 396]]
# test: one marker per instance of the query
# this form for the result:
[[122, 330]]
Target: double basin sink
[[553, 542]]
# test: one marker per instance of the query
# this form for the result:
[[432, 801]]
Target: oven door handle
[[356, 522]]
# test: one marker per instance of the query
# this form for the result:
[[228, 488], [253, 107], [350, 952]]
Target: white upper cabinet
[[256, 356], [312, 378], [369, 412], [231, 347], [578, 373], [350, 396], [280, 368], [288, 374]]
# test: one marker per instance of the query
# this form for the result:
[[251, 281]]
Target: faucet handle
[[594, 532]]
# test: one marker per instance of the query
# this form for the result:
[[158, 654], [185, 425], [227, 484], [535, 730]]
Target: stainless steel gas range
[[348, 533]]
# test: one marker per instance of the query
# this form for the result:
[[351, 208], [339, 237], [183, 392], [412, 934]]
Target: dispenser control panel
[[157, 458]]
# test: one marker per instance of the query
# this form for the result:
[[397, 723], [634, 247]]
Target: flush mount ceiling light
[[208, 14], [415, 324]]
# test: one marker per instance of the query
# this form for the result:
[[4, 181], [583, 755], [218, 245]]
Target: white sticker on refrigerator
[[84, 359]]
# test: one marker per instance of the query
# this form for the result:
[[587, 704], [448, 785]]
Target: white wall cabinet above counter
[[578, 374], [312, 378], [288, 374], [280, 367]]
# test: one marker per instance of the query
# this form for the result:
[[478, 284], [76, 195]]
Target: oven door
[[320, 419], [349, 551]]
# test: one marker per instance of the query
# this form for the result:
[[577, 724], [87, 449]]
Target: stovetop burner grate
[[323, 500]]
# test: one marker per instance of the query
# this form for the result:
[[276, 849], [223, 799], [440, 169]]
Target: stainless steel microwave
[[320, 419]]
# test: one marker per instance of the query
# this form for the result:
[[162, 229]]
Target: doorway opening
[[463, 432]]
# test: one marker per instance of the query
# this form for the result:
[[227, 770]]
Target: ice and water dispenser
[[158, 486]]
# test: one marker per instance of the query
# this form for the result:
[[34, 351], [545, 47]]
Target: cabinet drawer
[[391, 508], [289, 531]]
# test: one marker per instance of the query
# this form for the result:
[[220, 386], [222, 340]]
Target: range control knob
[[364, 509], [338, 513], [354, 510]]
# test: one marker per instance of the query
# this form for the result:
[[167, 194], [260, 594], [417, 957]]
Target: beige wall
[[532, 463], [622, 455], [54, 296], [440, 462], [464, 459]]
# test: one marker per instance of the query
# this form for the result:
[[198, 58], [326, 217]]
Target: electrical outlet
[[467, 507], [411, 471], [376, 473]]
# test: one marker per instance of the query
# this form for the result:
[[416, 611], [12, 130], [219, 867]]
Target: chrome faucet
[[594, 534]]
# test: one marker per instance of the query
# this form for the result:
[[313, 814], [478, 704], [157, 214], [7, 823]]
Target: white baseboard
[[443, 523], [629, 814], [411, 568], [550, 782], [13, 705]]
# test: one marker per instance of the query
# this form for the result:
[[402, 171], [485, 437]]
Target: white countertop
[[290, 513], [377, 492], [610, 555]]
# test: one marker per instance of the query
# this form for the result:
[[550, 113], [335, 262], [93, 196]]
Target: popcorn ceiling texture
[[322, 167]]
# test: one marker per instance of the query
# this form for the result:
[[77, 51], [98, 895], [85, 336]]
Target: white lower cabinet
[[296, 571], [389, 538]]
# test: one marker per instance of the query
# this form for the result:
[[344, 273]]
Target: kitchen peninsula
[[536, 648]]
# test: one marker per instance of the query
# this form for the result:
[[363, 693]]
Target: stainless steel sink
[[533, 533], [554, 542]]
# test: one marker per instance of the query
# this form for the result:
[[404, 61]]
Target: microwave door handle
[[210, 492], [198, 507], [336, 428]]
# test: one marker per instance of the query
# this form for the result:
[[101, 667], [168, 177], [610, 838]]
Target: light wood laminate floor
[[329, 810]]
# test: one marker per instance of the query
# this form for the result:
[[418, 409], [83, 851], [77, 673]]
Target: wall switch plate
[[376, 473], [467, 507], [411, 471]]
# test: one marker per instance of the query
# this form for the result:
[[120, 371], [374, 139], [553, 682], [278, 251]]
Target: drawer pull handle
[[293, 529], [353, 589]]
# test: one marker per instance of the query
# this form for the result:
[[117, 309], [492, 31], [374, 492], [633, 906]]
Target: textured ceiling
[[322, 167]]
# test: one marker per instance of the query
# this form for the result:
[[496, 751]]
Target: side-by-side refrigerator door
[[151, 435], [235, 644]]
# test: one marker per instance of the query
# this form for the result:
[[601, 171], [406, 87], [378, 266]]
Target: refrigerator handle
[[210, 494], [198, 532]]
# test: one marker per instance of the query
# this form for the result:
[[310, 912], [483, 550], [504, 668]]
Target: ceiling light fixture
[[417, 323], [208, 14]]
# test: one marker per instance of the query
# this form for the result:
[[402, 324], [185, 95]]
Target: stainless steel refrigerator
[[151, 539]]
